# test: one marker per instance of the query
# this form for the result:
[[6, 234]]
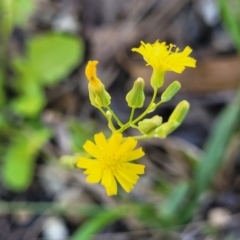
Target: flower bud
[[108, 115], [165, 129], [179, 112], [148, 126], [171, 90], [135, 98], [69, 161], [99, 97]]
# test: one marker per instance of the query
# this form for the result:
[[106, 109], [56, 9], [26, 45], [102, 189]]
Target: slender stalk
[[131, 115], [115, 117], [103, 113], [159, 103], [127, 125], [110, 123], [141, 137]]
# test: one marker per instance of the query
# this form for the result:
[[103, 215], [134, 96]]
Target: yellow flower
[[99, 97], [162, 58], [111, 162]]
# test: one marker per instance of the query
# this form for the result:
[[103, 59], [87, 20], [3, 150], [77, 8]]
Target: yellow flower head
[[99, 97], [162, 57], [91, 74], [111, 162]]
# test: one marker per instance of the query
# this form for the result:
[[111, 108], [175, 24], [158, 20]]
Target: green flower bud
[[180, 112], [109, 118], [99, 97], [109, 115], [157, 79], [148, 126], [69, 161], [135, 98], [165, 129], [171, 90]]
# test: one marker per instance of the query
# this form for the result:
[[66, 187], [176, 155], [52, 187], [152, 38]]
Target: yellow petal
[[95, 177], [91, 73], [128, 175], [92, 149], [93, 168], [85, 162], [187, 50], [126, 185], [133, 155], [91, 69], [135, 168], [128, 145], [101, 141], [114, 141], [107, 177], [112, 188]]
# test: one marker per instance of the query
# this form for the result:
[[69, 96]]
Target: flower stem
[[128, 124], [131, 115], [102, 111], [159, 103], [115, 117], [141, 137]]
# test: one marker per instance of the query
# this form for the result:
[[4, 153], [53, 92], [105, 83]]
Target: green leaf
[[230, 12], [2, 94], [172, 203], [30, 103], [80, 133], [26, 75], [18, 167], [50, 58], [21, 11], [53, 56], [98, 222], [222, 131]]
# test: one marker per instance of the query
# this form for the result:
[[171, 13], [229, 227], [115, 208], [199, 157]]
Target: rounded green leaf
[[54, 56]]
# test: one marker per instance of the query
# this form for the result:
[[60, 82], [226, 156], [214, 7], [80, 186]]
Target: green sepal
[[99, 97], [157, 79], [149, 125]]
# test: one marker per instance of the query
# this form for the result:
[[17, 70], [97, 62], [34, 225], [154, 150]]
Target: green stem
[[128, 124], [102, 111], [115, 117], [131, 115], [110, 123], [141, 137], [159, 103], [111, 126]]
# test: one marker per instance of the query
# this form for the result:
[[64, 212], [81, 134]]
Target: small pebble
[[66, 23], [54, 228], [219, 217]]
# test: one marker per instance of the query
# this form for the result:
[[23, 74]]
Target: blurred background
[[191, 189]]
